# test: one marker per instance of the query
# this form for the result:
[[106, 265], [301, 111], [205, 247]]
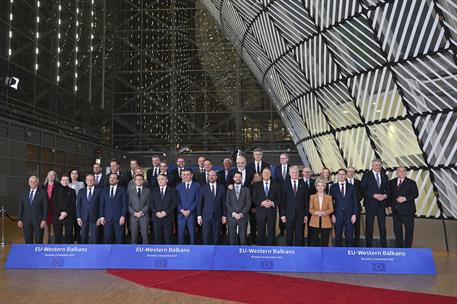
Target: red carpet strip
[[253, 287]]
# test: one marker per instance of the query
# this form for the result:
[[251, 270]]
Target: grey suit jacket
[[135, 204], [239, 205]]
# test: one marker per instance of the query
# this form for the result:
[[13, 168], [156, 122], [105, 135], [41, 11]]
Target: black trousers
[[77, 232], [357, 225], [253, 224], [400, 221], [33, 233], [380, 213], [163, 232], [266, 228], [210, 231], [294, 232], [89, 233], [59, 226], [319, 236]]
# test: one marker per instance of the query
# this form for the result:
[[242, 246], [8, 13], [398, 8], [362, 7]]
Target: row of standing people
[[249, 193]]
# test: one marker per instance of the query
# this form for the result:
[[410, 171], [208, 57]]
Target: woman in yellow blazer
[[320, 208]]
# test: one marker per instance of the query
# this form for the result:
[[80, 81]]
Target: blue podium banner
[[161, 257], [268, 259], [58, 256], [378, 260], [245, 258]]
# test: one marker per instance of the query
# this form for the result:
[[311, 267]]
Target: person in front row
[[238, 203], [65, 214], [163, 203], [294, 207], [211, 209], [87, 210], [113, 211], [345, 205], [188, 192], [403, 192], [32, 212], [320, 208], [138, 197], [266, 197]]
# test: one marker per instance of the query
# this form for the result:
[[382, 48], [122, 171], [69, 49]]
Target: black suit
[[251, 167], [170, 183], [151, 175], [221, 177], [101, 183], [277, 176], [403, 213], [177, 175], [266, 217], [294, 206], [201, 177], [31, 214], [56, 203], [360, 195], [130, 176], [373, 207], [68, 205], [163, 227], [309, 183]]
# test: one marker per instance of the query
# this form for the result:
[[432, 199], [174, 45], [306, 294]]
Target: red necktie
[[399, 184]]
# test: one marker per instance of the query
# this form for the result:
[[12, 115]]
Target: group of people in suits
[[156, 205]]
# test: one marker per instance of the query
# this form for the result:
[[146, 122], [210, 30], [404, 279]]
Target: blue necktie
[[89, 195], [31, 197], [112, 192], [266, 189]]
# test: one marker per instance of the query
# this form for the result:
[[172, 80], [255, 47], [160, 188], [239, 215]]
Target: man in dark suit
[[188, 193], [266, 197], [202, 178], [222, 175], [403, 193], [281, 174], [375, 187], [211, 209], [138, 198], [238, 202], [294, 207], [356, 183], [66, 212], [180, 167], [87, 210], [152, 173], [113, 211], [98, 175], [32, 212], [133, 166], [163, 203], [345, 205], [114, 168], [246, 175], [258, 164], [200, 161]]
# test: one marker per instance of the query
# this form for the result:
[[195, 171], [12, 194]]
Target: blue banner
[[275, 259], [378, 260], [58, 256], [245, 258], [161, 257]]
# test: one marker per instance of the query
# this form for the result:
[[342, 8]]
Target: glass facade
[[355, 80]]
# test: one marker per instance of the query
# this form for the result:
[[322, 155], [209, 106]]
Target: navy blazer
[[35, 213], [85, 210], [294, 206], [188, 199], [112, 208], [369, 188], [347, 205], [167, 203], [408, 189], [277, 175], [258, 196], [210, 207], [252, 168], [122, 180], [101, 182]]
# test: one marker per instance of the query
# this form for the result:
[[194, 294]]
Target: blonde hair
[[55, 175]]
